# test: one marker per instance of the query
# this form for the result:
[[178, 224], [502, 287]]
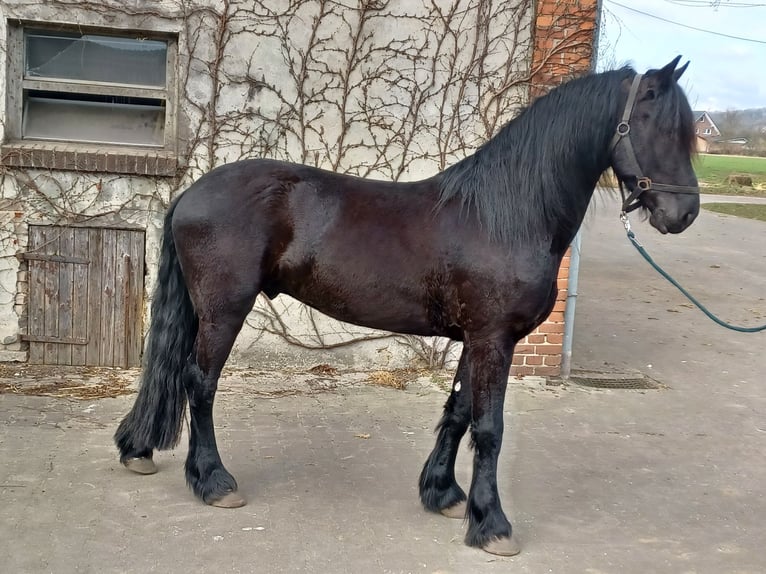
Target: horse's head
[[653, 146]]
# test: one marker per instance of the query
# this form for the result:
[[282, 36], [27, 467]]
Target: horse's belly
[[371, 306]]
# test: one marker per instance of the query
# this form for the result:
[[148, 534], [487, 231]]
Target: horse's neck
[[579, 182]]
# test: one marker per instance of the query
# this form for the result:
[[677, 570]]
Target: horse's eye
[[649, 94]]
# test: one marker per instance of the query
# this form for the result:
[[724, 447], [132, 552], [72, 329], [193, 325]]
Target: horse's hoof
[[229, 500], [505, 546], [456, 510], [141, 465]]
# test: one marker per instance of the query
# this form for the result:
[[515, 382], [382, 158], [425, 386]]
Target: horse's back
[[250, 186], [241, 188]]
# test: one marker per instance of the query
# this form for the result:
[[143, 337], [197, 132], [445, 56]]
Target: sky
[[724, 73]]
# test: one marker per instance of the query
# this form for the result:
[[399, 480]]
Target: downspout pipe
[[569, 311]]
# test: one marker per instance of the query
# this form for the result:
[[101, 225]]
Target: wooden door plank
[[93, 350], [36, 311], [108, 295], [66, 295], [135, 323], [122, 297], [80, 300], [51, 247]]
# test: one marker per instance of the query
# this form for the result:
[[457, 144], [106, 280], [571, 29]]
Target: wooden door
[[86, 291]]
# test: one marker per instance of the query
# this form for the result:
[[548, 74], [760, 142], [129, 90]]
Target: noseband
[[643, 183]]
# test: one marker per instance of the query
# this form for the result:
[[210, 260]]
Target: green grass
[[713, 171], [749, 210]]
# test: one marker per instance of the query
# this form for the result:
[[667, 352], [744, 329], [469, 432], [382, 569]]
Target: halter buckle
[[623, 128], [644, 183]]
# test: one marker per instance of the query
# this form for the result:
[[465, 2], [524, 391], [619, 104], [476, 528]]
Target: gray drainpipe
[[569, 312]]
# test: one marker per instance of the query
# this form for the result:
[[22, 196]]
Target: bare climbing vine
[[395, 89]]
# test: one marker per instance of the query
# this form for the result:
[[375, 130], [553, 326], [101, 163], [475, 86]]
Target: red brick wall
[[564, 37], [540, 352]]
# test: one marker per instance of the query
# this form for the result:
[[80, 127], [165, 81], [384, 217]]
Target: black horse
[[471, 253]]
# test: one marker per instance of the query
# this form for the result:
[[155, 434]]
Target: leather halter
[[643, 183]]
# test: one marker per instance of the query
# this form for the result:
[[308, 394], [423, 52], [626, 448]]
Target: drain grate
[[615, 381]]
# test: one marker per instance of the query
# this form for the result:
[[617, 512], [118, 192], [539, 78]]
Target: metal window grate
[[610, 380]]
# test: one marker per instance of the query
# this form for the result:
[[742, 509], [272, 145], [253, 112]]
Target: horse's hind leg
[[439, 491], [220, 320]]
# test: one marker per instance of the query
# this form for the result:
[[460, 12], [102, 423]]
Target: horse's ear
[[680, 71], [667, 72]]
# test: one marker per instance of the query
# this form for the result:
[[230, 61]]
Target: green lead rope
[[700, 306]]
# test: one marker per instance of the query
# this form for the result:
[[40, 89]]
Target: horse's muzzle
[[665, 222]]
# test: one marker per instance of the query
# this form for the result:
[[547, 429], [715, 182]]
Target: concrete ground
[[670, 480]]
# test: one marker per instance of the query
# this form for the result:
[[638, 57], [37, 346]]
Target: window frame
[[83, 156]]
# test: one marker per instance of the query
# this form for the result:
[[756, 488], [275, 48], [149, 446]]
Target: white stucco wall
[[396, 91]]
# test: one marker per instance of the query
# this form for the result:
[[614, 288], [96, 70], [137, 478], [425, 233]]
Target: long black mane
[[530, 176]]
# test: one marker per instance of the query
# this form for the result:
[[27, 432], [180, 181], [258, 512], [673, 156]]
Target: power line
[[715, 4], [686, 25]]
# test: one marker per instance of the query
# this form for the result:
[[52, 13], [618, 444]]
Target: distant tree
[[749, 124], [730, 123]]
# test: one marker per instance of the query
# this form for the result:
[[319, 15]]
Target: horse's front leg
[[489, 365]]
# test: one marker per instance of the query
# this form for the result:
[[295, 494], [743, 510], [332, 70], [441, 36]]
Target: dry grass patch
[[396, 379], [82, 383], [80, 391]]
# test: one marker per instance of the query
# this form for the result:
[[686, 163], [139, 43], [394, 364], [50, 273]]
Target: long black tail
[[157, 415]]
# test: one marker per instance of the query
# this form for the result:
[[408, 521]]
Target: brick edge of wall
[[564, 36]]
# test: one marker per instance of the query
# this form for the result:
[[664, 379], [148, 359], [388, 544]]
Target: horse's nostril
[[689, 217]]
